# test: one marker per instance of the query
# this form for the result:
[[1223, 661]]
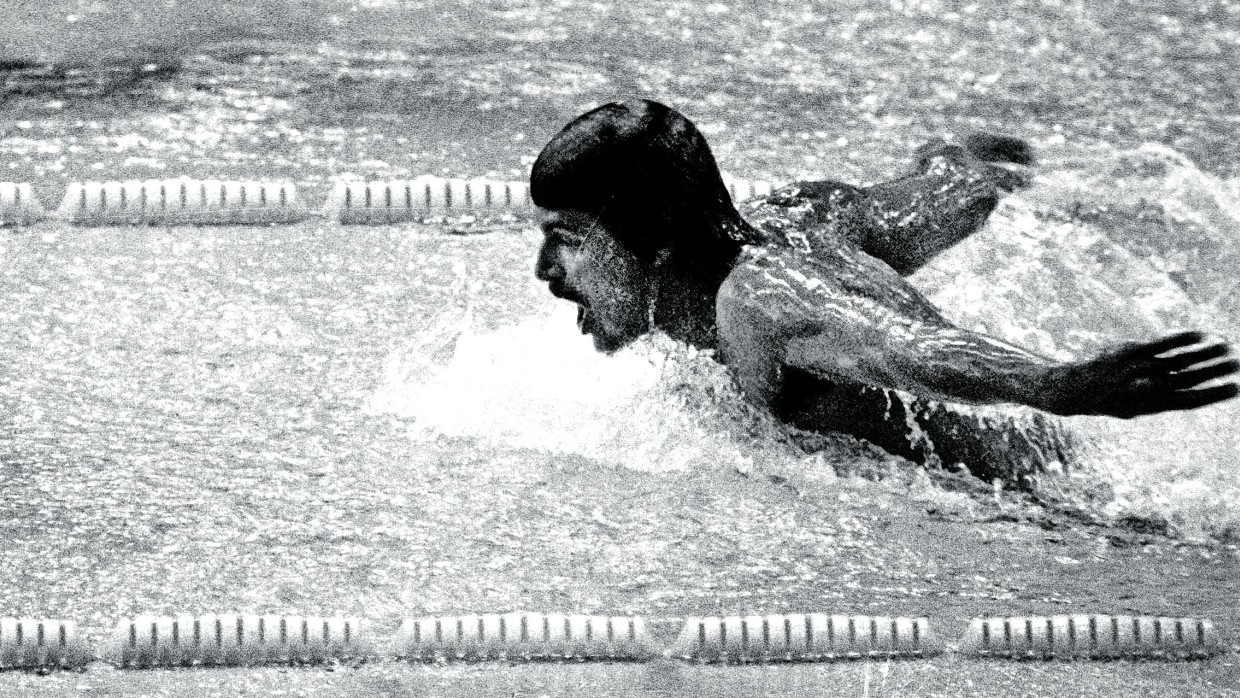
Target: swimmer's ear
[[993, 147]]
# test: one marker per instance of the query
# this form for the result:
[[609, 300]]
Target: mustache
[[560, 290]]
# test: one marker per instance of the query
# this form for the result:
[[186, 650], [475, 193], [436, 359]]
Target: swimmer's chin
[[603, 341], [609, 345]]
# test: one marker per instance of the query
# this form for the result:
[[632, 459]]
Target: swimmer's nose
[[548, 268]]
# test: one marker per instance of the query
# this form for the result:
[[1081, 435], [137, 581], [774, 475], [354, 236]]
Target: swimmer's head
[[645, 172], [639, 228]]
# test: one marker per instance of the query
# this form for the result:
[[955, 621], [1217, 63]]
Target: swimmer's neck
[[684, 305]]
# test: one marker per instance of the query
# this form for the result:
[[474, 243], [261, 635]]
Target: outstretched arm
[[954, 365], [778, 309]]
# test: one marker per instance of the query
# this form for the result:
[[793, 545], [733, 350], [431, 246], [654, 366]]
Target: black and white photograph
[[436, 348]]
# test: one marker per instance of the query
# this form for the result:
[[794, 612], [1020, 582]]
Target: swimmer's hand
[[978, 152], [1138, 379], [993, 147]]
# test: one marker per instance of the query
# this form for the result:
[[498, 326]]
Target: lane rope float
[[29, 643], [18, 205], [745, 189], [400, 200], [1091, 637], [803, 637], [234, 640], [181, 202], [524, 636], [187, 201]]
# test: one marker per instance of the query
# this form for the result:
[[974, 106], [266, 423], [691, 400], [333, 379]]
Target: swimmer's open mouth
[[588, 323], [584, 319]]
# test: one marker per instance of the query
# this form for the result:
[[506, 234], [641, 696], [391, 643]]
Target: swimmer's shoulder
[[800, 203], [798, 290], [770, 286], [806, 216], [761, 305], [780, 282]]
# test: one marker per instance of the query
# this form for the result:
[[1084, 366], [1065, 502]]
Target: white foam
[[541, 385], [1069, 288]]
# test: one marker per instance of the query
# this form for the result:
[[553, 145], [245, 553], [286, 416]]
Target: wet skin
[[816, 322], [584, 264], [846, 316]]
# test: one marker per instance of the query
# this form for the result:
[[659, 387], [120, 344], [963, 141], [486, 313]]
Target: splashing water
[[1130, 246], [1062, 271], [540, 384]]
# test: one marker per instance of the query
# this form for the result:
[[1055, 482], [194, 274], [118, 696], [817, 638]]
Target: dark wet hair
[[648, 174]]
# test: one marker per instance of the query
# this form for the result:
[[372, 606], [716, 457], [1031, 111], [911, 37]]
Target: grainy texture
[[184, 422]]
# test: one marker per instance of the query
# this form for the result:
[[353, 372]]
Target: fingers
[[1166, 344], [1192, 399], [1147, 382], [1179, 362], [1173, 401], [1185, 380]]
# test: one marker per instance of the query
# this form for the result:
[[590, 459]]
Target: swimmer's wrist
[[1058, 391]]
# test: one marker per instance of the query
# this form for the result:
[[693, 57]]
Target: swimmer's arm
[[936, 362], [776, 310], [770, 316], [950, 195], [955, 365]]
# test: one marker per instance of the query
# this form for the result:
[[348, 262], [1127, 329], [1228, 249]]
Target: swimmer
[[806, 304]]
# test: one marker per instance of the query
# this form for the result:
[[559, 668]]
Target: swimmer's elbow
[[959, 378], [838, 356]]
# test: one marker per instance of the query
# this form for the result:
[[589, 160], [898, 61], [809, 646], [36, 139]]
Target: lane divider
[[29, 643], [1091, 636], [18, 205], [524, 636], [234, 640], [401, 200], [215, 202], [801, 637], [247, 640], [745, 189], [181, 202]]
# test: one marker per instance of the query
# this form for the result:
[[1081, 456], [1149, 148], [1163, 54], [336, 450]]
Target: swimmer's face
[[582, 262]]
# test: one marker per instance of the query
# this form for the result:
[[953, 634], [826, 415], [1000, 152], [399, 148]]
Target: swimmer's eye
[[564, 236]]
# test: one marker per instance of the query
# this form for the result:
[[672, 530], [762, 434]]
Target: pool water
[[373, 419]]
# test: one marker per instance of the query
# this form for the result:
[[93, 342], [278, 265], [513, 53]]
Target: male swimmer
[[807, 306]]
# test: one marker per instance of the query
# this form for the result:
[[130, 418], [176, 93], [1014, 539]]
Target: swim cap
[[648, 174]]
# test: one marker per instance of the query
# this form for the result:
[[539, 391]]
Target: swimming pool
[[375, 420]]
